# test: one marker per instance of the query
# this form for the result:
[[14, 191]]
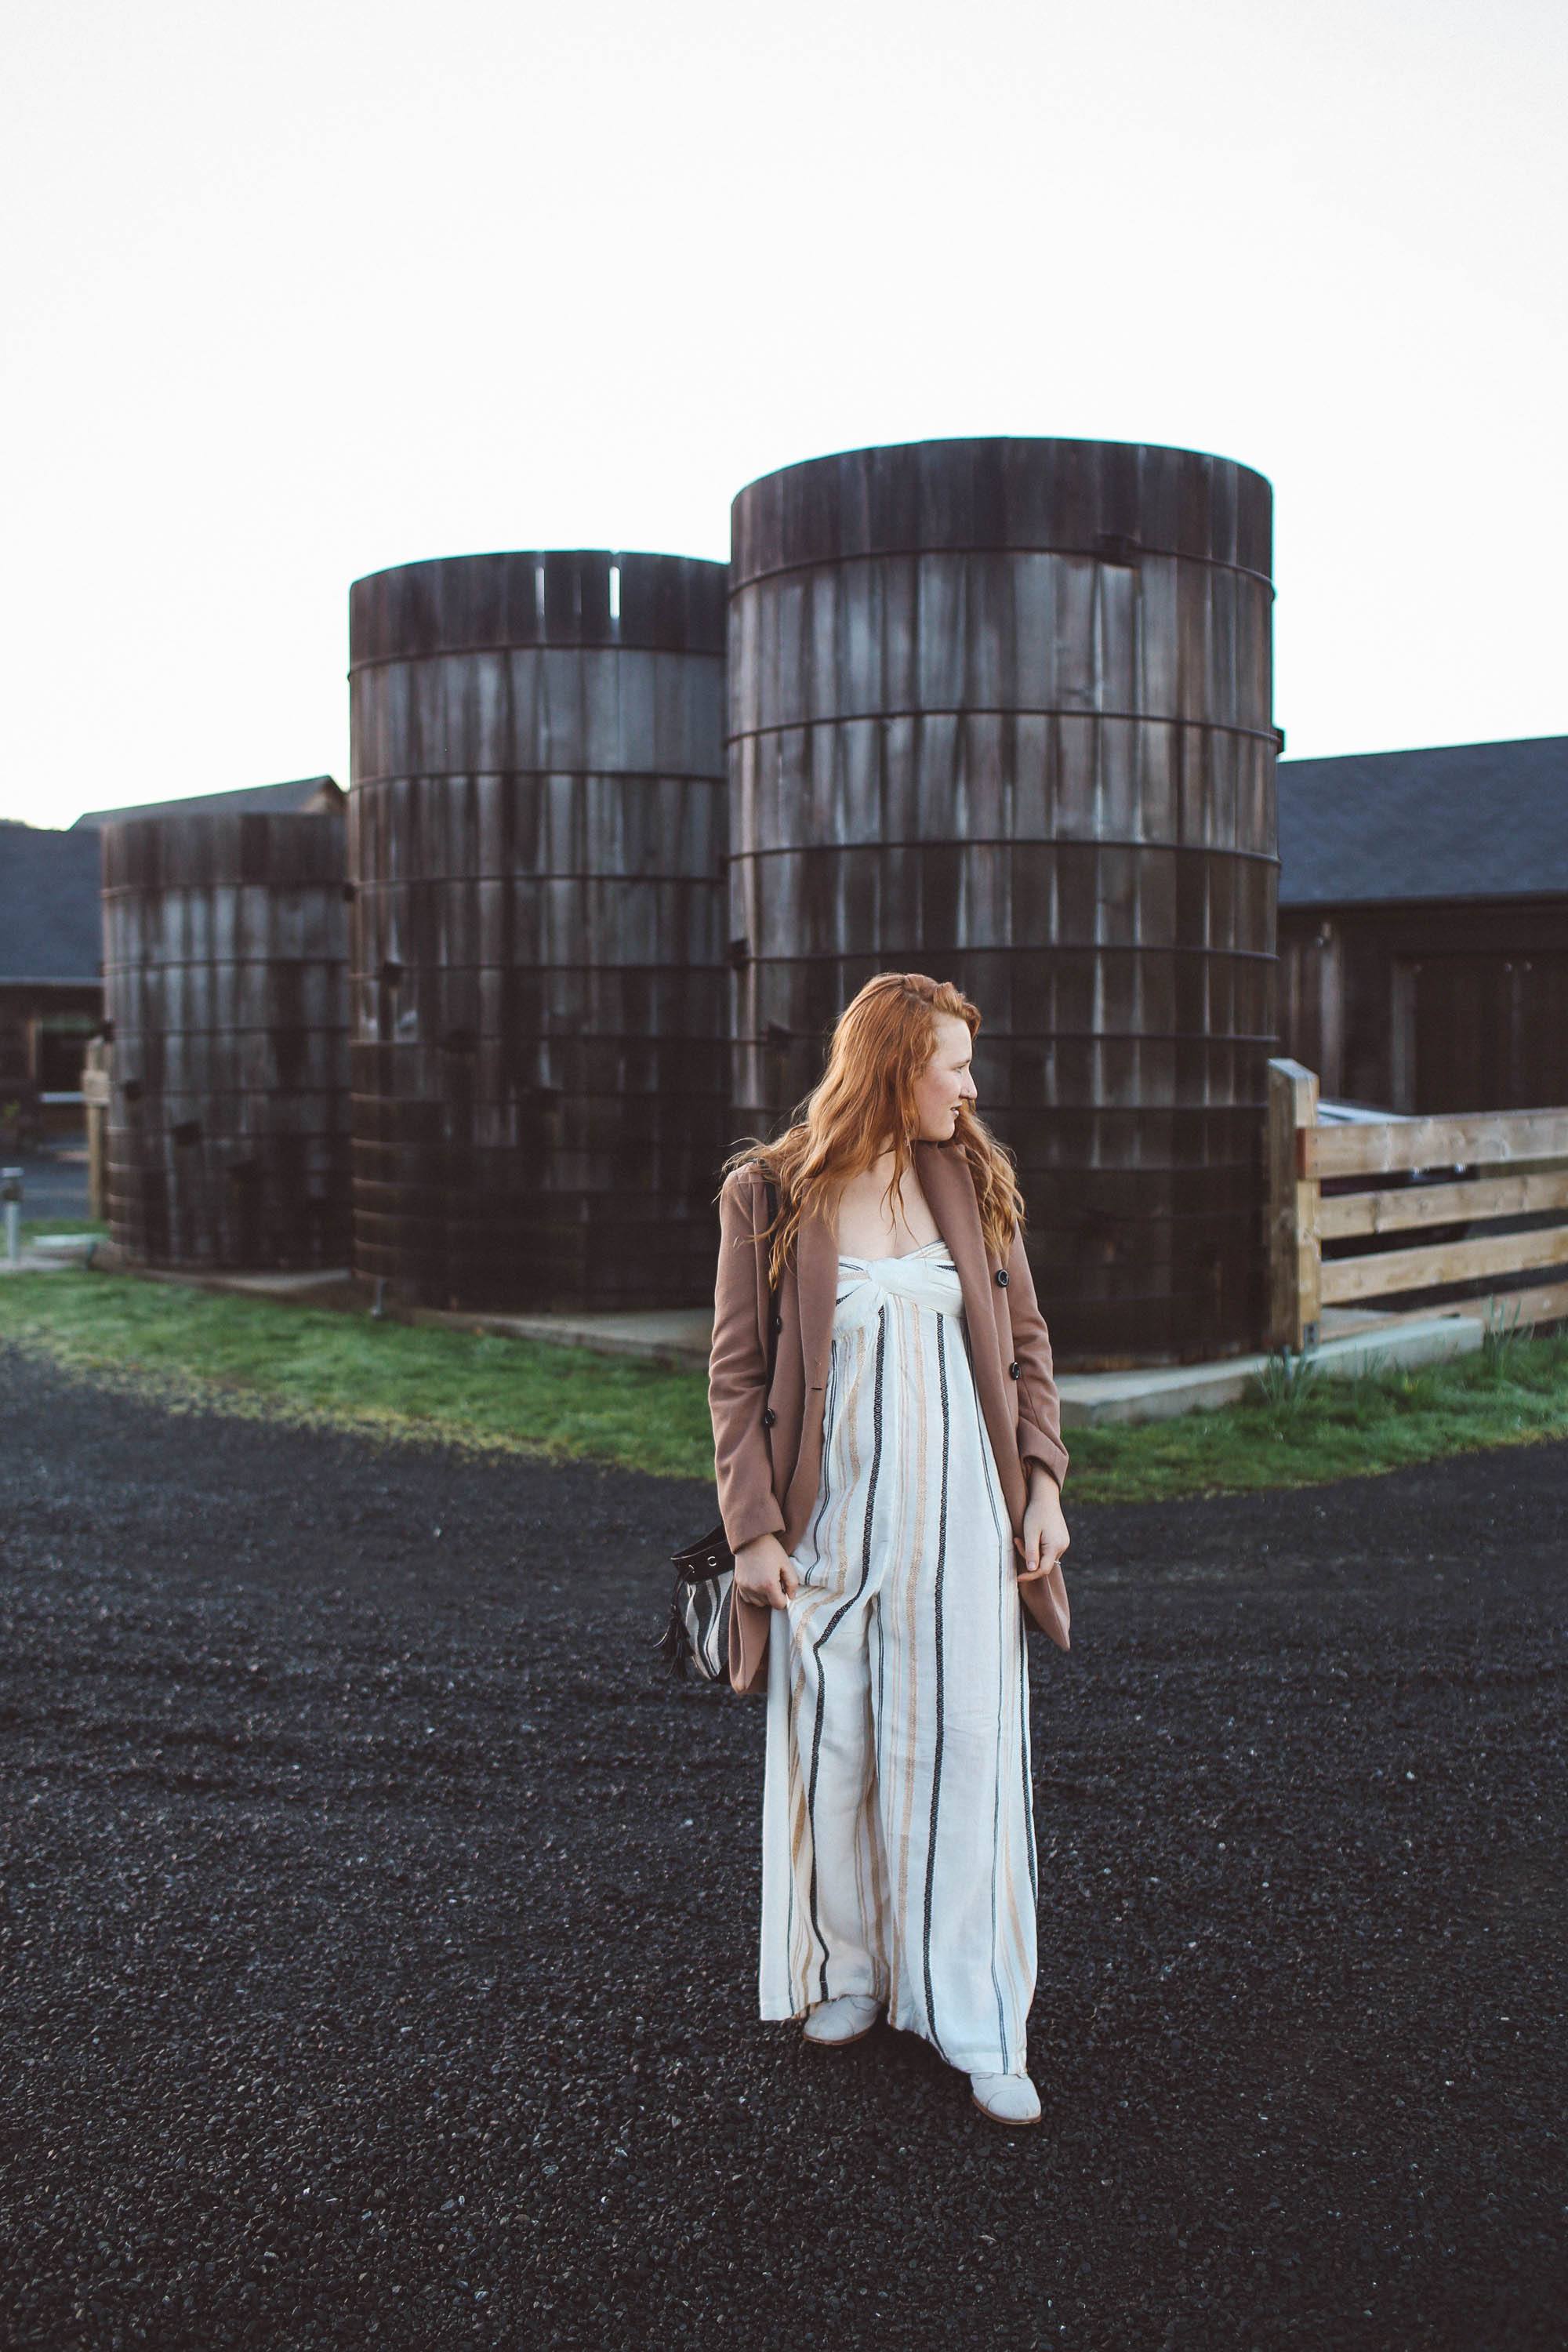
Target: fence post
[[95, 1096], [1294, 1253]]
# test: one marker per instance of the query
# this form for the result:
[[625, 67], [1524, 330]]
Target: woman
[[890, 1494]]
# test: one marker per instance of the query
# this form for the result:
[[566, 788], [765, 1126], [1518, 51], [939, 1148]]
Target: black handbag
[[697, 1631]]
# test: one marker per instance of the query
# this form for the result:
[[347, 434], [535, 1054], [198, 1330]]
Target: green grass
[[1382, 1418], [398, 1380], [394, 1380]]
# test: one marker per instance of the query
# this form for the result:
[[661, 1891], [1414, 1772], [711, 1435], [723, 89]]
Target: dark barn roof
[[305, 794], [50, 926], [1459, 821]]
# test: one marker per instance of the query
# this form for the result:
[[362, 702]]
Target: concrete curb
[[1159, 1393]]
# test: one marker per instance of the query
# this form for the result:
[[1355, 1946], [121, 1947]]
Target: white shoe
[[1006, 2098], [844, 2019]]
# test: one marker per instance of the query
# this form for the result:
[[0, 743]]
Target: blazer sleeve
[[738, 1372], [1040, 1407]]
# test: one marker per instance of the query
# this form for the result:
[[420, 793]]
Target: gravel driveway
[[377, 1949]]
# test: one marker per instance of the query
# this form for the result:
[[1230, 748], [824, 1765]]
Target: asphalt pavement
[[377, 1952]]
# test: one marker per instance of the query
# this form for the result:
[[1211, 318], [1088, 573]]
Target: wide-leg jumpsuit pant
[[899, 1855]]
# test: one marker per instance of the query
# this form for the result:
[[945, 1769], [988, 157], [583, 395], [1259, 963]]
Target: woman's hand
[[764, 1573], [1045, 1536]]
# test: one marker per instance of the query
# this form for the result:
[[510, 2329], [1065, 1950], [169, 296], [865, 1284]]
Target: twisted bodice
[[927, 1277]]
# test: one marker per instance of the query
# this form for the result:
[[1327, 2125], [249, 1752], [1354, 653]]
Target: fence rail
[[1328, 1258]]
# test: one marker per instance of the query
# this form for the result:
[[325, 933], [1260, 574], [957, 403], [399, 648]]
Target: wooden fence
[[1433, 1187]]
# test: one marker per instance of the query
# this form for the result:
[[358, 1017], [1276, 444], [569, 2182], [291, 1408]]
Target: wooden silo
[[1000, 712], [226, 943], [538, 823]]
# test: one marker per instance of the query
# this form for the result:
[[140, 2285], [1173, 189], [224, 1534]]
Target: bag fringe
[[673, 1645]]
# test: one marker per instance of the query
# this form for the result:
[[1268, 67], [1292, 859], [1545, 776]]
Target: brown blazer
[[767, 1442]]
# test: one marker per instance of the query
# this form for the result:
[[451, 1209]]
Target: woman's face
[[944, 1084]]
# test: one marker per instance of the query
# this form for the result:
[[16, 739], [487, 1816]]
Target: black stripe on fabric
[[936, 1756], [836, 1618]]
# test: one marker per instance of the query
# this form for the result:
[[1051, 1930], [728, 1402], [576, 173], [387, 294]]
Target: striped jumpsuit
[[899, 1855]]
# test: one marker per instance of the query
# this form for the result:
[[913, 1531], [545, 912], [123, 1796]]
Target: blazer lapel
[[815, 1269], [950, 1192], [816, 1274]]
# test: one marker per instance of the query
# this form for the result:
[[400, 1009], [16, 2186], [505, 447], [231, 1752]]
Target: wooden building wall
[[1429, 1006]]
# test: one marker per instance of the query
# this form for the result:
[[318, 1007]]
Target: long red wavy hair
[[865, 1099]]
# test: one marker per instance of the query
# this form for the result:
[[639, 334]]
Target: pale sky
[[292, 292]]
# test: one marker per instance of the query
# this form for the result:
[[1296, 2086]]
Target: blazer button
[[1001, 1277], [778, 1322], [769, 1417], [1015, 1368]]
